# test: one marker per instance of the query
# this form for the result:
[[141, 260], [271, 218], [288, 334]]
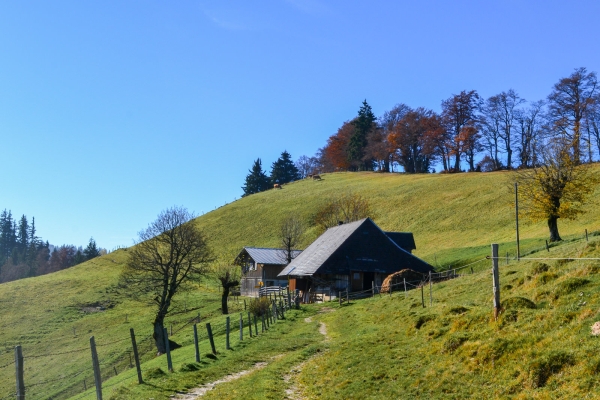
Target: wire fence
[[116, 356]]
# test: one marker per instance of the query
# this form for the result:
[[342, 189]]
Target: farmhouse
[[352, 256], [260, 267]]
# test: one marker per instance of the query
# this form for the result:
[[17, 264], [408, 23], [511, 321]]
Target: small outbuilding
[[352, 257], [261, 267]]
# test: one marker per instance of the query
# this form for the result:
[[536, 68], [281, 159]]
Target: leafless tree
[[229, 276], [290, 235], [568, 103], [346, 208], [530, 132], [170, 254]]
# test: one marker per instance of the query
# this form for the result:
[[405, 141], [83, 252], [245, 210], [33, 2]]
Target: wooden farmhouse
[[260, 267], [352, 257]]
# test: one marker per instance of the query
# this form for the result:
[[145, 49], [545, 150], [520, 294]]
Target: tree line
[[470, 133], [282, 171], [23, 254]]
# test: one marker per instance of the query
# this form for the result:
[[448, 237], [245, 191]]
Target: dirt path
[[202, 390], [294, 392]]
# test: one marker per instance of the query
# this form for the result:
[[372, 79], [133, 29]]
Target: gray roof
[[269, 256], [405, 240], [320, 250], [345, 246]]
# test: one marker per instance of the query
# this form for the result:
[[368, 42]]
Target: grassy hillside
[[454, 219]]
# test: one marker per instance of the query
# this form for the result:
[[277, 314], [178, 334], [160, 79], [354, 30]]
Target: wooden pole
[[586, 236], [340, 297], [196, 346], [255, 325], [136, 356], [422, 296], [405, 294], [210, 338], [241, 327], [249, 324], [168, 350], [547, 247], [517, 219], [264, 326], [227, 334], [496, 280], [19, 373], [430, 290], [372, 288], [96, 366]]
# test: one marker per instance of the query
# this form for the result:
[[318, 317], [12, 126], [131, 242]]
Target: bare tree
[[229, 276], [568, 104], [529, 126], [169, 255], [290, 235], [346, 208]]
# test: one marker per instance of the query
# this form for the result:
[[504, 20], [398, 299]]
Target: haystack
[[398, 277]]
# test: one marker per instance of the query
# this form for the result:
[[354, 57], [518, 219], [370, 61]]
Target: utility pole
[[517, 219]]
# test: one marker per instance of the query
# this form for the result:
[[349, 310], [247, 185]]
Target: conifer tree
[[283, 170], [256, 180], [363, 124], [91, 251]]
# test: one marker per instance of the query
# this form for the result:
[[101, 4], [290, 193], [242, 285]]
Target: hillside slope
[[454, 218]]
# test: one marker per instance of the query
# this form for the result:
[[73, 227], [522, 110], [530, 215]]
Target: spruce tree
[[283, 170], [91, 251], [363, 124], [256, 180]]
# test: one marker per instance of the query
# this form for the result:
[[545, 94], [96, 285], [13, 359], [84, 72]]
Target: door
[[357, 281]]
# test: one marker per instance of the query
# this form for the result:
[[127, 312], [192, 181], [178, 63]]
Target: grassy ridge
[[454, 219]]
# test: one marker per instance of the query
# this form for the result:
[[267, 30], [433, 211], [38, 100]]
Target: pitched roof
[[323, 252], [405, 240], [262, 255]]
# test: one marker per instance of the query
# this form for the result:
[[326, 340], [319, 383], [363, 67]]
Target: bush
[[259, 306]]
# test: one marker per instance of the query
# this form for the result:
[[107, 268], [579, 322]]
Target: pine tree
[[91, 251], [256, 180], [363, 124], [283, 170]]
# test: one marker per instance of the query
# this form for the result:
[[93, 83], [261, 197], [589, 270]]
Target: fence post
[[496, 280], [275, 316], [422, 295], [19, 373], [168, 349], [255, 325], [249, 324], [263, 326], [405, 294], [372, 288], [241, 327], [227, 334], [471, 270], [430, 290], [282, 309], [586, 236], [96, 365], [297, 299], [289, 296], [210, 337], [547, 248], [196, 346], [136, 356], [340, 297]]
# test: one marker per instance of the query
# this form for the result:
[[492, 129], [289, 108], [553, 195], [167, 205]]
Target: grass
[[378, 348]]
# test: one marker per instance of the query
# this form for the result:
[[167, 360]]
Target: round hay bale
[[398, 277]]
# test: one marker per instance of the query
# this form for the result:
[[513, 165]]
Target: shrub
[[259, 306]]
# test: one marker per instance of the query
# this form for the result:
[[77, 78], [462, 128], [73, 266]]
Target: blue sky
[[113, 111]]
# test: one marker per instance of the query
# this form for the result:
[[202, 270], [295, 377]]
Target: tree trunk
[[224, 296], [553, 226], [159, 334]]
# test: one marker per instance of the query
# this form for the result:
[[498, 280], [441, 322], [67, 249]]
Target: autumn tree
[[257, 180], [344, 208], [388, 122], [567, 106], [335, 152], [170, 255], [283, 170], [290, 234], [556, 188], [460, 112], [411, 137]]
